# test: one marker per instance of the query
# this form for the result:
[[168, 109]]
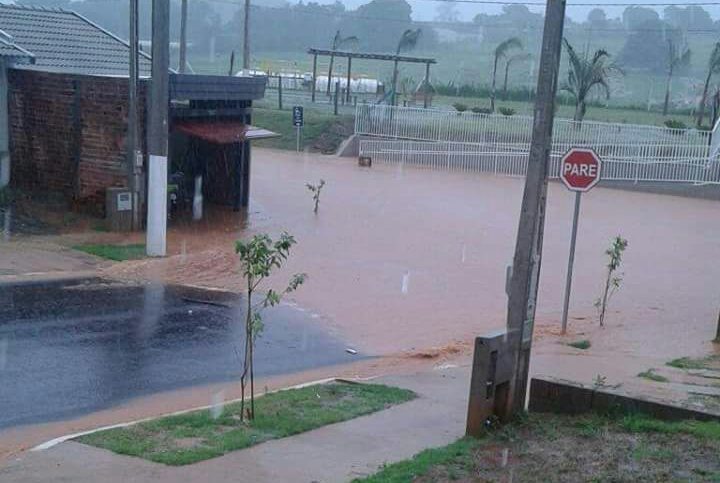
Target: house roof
[[63, 41]]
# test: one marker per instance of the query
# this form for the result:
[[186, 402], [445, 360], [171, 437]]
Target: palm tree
[[585, 73], [501, 52], [713, 68], [338, 42], [677, 59], [408, 41], [511, 60]]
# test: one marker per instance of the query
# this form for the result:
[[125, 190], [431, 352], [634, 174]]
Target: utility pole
[[246, 37], [183, 36], [528, 248], [158, 130], [133, 154]]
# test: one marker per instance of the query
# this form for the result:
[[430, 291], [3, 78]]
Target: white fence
[[499, 144]]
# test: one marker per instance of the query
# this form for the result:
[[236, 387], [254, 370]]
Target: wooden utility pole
[[183, 36], [246, 36], [528, 248], [132, 135], [158, 130]]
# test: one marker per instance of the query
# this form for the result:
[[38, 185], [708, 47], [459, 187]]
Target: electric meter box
[[118, 209]]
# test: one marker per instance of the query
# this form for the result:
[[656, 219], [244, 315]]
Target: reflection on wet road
[[70, 348]]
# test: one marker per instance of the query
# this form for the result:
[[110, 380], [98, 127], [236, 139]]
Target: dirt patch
[[187, 443]]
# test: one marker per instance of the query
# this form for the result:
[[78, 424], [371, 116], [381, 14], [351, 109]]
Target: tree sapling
[[612, 281], [259, 256], [316, 189]]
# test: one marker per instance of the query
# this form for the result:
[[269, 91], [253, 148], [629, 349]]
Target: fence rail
[[655, 163], [499, 144]]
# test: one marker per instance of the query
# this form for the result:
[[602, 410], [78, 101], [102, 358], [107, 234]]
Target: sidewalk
[[335, 453]]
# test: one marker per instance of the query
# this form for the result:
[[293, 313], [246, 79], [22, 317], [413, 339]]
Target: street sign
[[580, 169], [298, 119]]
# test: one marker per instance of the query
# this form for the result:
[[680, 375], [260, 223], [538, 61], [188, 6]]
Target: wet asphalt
[[75, 347]]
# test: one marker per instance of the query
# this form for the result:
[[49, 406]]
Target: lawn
[[197, 436], [118, 253], [323, 131], [544, 447]]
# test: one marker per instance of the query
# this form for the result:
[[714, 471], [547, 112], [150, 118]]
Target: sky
[[426, 10]]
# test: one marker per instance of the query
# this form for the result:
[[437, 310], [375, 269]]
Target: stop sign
[[580, 169]]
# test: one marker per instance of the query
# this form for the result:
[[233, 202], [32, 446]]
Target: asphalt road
[[71, 348]]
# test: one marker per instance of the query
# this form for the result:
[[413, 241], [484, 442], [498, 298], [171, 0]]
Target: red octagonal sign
[[580, 169]]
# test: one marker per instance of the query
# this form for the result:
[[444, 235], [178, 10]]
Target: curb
[[47, 277]]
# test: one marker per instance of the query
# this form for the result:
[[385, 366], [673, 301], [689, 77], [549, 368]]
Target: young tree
[[315, 189], [501, 52], [584, 74], [511, 60], [338, 42], [408, 41], [713, 68], [678, 58], [612, 281], [259, 256]]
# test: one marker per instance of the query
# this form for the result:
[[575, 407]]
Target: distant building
[[64, 109]]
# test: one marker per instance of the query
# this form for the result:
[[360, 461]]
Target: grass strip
[[118, 253], [196, 436]]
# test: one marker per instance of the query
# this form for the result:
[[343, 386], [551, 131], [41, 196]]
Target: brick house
[[64, 109]]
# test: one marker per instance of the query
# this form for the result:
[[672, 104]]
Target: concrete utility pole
[[158, 130], [528, 248], [183, 36], [246, 37], [132, 136]]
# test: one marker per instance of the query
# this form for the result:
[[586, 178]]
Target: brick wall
[[68, 134]]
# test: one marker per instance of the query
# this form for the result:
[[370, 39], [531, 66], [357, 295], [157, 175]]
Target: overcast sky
[[426, 10]]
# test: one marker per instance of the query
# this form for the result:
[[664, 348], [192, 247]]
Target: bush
[[481, 110], [506, 111], [460, 107], [675, 124]]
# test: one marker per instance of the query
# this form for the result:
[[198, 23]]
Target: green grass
[[653, 376], [639, 423], [316, 123], [197, 436], [460, 459], [117, 253], [687, 363], [580, 344]]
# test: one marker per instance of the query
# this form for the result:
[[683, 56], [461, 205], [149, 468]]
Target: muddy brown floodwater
[[407, 259]]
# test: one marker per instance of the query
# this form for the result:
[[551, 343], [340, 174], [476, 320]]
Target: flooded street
[[412, 259]]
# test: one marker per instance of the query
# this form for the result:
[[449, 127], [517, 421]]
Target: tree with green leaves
[[713, 68], [612, 281], [259, 256], [408, 41], [510, 61], [339, 42], [678, 58], [501, 52], [585, 73]]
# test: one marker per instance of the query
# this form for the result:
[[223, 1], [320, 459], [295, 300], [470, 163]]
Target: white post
[[4, 128], [157, 206], [198, 199]]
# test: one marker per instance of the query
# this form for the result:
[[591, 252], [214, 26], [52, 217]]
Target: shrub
[[481, 110], [675, 124], [506, 111], [460, 107]]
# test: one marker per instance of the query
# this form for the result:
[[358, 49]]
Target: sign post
[[580, 172], [298, 122]]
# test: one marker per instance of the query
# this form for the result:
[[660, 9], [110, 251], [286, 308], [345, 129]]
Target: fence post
[[280, 93], [335, 101]]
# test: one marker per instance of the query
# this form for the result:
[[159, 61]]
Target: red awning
[[223, 132]]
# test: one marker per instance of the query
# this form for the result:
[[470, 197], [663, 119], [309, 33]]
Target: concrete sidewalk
[[335, 453]]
